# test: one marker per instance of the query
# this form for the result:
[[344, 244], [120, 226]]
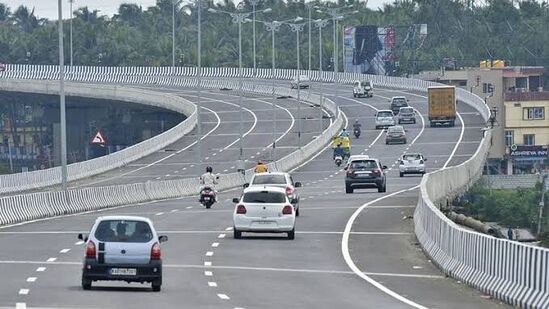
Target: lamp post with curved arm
[[297, 28], [239, 18], [320, 23]]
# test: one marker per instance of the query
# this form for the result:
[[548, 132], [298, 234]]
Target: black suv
[[397, 103], [365, 173]]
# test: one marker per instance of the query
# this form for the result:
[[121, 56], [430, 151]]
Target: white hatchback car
[[122, 248], [263, 210], [385, 119], [412, 163], [304, 82], [278, 179]]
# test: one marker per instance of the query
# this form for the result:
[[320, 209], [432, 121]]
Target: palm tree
[[26, 19], [5, 12]]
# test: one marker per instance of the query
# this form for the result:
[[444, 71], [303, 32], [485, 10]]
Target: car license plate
[[123, 271], [206, 198]]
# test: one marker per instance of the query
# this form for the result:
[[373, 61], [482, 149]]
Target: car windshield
[[269, 179], [385, 114], [264, 197], [411, 157], [395, 130], [407, 110], [363, 164], [399, 102], [123, 231]]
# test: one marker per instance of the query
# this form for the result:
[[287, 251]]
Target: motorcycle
[[207, 197], [357, 132], [338, 160]]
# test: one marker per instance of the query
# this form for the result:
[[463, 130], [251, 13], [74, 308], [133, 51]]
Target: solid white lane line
[[31, 279], [41, 269], [208, 273], [209, 253], [207, 263], [215, 244], [65, 251], [212, 284], [223, 296], [23, 291], [221, 236], [52, 259], [459, 141]]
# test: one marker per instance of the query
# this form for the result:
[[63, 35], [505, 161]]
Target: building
[[521, 133], [518, 100]]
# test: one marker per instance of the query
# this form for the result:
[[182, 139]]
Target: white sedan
[[264, 210], [412, 163], [304, 82]]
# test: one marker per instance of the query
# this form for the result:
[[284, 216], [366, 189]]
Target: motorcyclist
[[344, 133], [357, 125], [208, 180], [338, 151], [260, 167]]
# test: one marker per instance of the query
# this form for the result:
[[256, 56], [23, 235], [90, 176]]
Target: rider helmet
[[209, 169]]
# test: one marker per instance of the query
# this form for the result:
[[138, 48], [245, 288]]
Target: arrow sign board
[[98, 139]]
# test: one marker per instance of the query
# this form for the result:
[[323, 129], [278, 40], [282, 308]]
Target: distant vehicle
[[123, 248], [395, 134], [278, 179], [264, 210], [365, 173], [304, 82], [412, 163], [442, 105], [384, 119], [2, 67], [406, 115], [363, 89], [397, 103]]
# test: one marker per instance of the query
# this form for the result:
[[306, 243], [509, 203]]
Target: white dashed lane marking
[[215, 244], [23, 291], [230, 228], [65, 251], [209, 253], [20, 306], [41, 269], [223, 296], [208, 273], [52, 259], [78, 243], [31, 279], [207, 263], [189, 207], [212, 284], [221, 236], [159, 214]]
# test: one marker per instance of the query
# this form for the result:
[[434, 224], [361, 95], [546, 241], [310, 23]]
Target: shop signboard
[[529, 153]]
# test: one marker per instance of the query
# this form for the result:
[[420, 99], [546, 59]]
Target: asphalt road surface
[[351, 250]]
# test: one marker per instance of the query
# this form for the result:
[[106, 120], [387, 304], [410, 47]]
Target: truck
[[442, 105]]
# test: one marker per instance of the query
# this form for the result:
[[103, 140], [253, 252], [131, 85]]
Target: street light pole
[[239, 18], [310, 7], [273, 27], [63, 122], [320, 24], [199, 84], [173, 34], [254, 4], [542, 202], [298, 28], [70, 5]]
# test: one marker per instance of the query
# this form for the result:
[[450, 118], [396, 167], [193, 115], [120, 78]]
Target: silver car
[[122, 248], [395, 134], [281, 180], [384, 119], [304, 82], [406, 115], [412, 163]]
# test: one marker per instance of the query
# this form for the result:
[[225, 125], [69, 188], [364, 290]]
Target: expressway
[[351, 250], [220, 140]]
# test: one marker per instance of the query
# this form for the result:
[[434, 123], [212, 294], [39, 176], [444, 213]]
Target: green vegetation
[[515, 31], [508, 207]]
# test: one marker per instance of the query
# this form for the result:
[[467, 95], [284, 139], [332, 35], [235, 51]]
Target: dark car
[[397, 103], [365, 173], [395, 134]]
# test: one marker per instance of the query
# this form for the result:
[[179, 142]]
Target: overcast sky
[[48, 8]]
